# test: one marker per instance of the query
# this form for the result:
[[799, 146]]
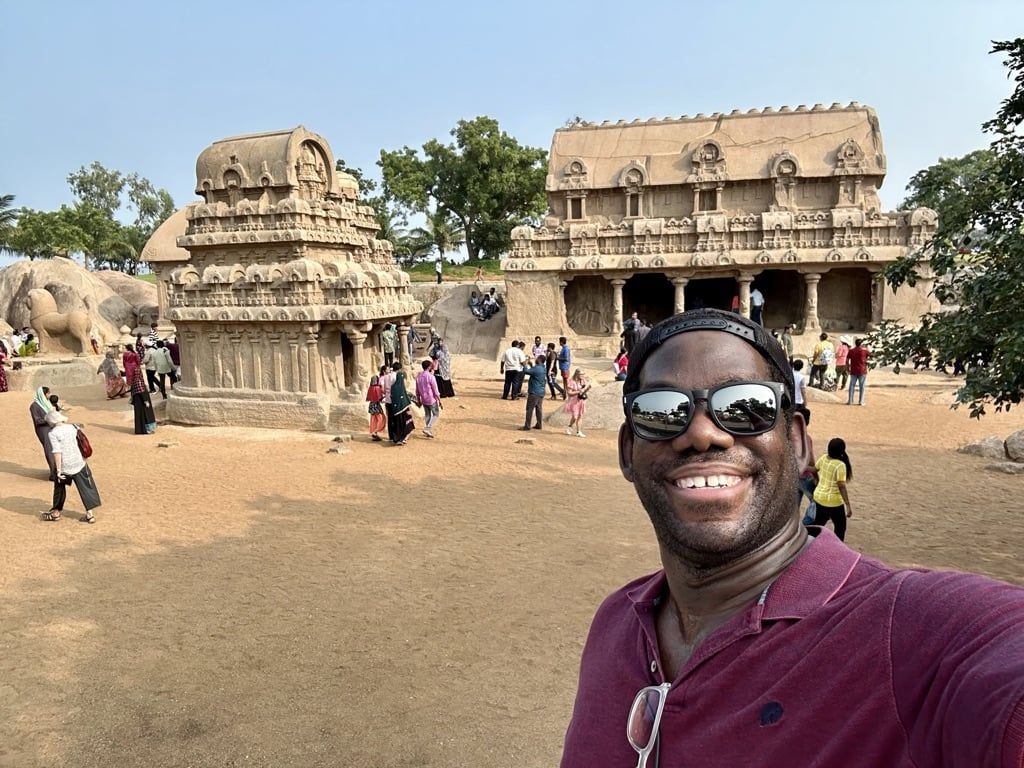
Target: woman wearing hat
[[71, 468], [842, 364]]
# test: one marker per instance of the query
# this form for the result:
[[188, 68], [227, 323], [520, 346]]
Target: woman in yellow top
[[830, 497]]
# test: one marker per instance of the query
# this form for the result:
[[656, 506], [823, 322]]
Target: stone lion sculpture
[[65, 328]]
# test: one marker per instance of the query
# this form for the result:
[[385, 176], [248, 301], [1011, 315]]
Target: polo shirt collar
[[807, 584]]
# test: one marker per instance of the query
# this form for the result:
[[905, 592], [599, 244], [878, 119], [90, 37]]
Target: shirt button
[[654, 666]]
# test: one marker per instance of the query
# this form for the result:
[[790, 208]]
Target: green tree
[[101, 195], [485, 180], [977, 259], [45, 234]]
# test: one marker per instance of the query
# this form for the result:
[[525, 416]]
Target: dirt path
[[250, 600]]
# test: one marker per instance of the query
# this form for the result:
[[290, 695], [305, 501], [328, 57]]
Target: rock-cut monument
[[278, 287], [656, 216]]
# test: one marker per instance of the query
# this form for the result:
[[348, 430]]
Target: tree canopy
[[485, 180], [89, 226], [977, 259]]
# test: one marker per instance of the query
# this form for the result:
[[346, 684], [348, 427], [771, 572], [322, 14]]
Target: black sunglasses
[[743, 408]]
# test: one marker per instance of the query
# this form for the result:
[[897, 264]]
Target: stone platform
[[53, 372]]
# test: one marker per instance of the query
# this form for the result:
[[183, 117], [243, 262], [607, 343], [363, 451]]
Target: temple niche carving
[[695, 211], [277, 286]]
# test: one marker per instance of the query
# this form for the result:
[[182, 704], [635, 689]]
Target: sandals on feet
[[51, 516], [89, 517]]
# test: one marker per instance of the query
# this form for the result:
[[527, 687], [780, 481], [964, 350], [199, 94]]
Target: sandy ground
[[251, 600]]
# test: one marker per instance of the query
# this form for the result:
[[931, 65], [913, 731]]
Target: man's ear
[[626, 451], [800, 440]]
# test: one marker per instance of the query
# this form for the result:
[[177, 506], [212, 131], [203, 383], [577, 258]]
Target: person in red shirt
[[858, 362], [760, 642]]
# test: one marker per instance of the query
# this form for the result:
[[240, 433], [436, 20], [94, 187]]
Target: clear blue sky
[[146, 86]]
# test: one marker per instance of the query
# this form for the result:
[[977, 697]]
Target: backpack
[[84, 446]]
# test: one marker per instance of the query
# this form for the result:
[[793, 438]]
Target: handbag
[[84, 446]]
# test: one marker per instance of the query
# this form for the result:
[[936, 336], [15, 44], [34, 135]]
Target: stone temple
[[278, 288], [661, 215]]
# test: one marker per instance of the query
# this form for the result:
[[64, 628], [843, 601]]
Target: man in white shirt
[[800, 389], [512, 361], [757, 306]]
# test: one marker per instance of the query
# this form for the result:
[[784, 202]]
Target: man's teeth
[[709, 481]]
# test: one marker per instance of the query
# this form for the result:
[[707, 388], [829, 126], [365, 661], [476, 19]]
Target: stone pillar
[[236, 345], [811, 322], [275, 350], [360, 366], [744, 281], [617, 305], [293, 357], [256, 344], [218, 363], [403, 347], [680, 284], [315, 373]]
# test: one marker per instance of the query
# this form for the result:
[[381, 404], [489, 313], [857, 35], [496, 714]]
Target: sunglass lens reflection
[[641, 719], [661, 414], [745, 408]]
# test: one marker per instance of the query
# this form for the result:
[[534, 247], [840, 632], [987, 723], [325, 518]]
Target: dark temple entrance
[[785, 294], [711, 293], [650, 295]]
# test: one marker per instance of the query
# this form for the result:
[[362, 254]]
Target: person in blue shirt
[[564, 363], [538, 374]]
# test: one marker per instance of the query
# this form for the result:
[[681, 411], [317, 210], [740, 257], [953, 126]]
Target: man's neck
[[704, 599]]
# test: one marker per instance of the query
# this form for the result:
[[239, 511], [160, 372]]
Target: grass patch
[[424, 271], [148, 278]]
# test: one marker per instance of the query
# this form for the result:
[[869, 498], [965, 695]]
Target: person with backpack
[[69, 459]]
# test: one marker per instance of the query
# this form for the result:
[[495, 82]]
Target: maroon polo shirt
[[845, 662]]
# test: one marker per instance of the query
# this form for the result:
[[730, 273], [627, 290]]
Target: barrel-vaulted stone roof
[[262, 160], [739, 146]]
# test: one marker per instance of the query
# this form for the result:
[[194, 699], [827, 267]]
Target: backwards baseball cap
[[710, 320]]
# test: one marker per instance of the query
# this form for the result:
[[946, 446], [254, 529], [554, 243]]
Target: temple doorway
[[785, 294], [711, 293], [650, 295], [844, 299]]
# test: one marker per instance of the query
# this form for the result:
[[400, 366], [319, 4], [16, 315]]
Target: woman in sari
[[443, 369], [41, 406], [401, 408], [145, 418], [3, 359], [576, 405], [116, 386]]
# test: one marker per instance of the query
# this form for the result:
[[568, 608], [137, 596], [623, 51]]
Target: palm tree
[[8, 218], [442, 232]]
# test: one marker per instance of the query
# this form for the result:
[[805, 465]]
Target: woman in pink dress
[[576, 405]]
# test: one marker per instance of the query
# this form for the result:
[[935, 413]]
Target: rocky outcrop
[[991, 447], [1015, 445], [75, 289]]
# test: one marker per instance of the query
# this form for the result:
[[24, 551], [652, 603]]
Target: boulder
[[73, 289], [1006, 467], [1015, 445], [991, 447]]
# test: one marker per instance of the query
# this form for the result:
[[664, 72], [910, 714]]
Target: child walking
[[375, 397]]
